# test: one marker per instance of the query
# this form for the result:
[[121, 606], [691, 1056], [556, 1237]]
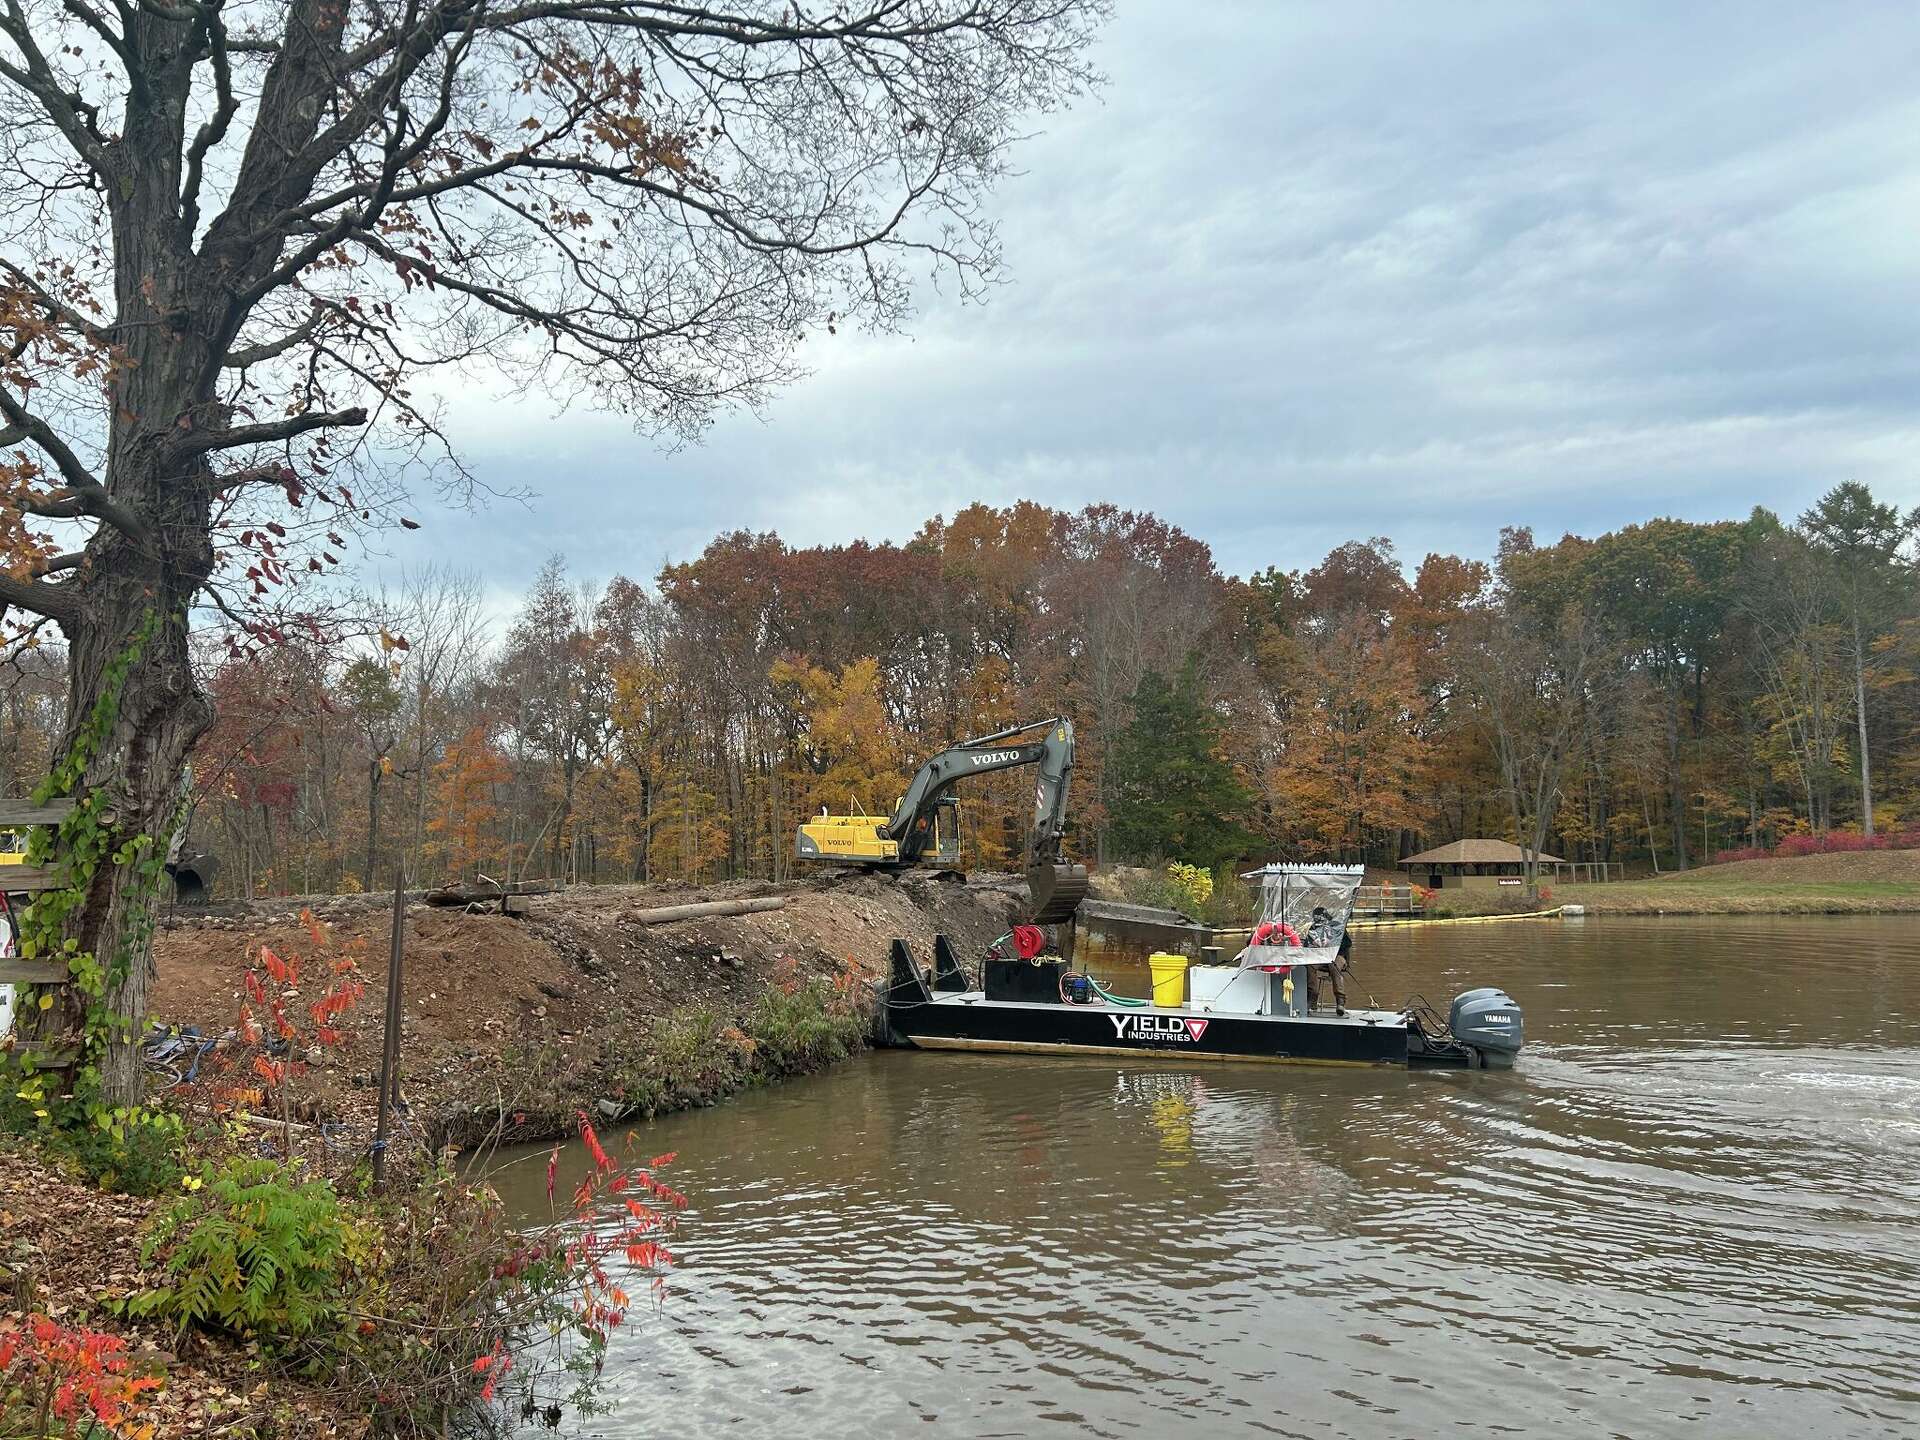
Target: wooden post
[[390, 1033]]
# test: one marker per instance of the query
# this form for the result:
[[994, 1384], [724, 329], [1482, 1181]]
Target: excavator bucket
[[1057, 891]]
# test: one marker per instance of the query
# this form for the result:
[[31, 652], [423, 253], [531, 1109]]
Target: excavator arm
[[1056, 885]]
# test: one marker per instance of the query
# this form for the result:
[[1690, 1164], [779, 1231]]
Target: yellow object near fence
[[1169, 979]]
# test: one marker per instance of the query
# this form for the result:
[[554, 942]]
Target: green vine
[[74, 850]]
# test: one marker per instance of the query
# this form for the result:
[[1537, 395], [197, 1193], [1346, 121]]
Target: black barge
[[1258, 1009], [1019, 1009]]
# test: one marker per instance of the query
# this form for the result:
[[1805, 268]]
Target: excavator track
[[1057, 891]]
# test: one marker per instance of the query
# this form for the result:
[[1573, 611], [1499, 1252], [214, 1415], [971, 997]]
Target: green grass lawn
[[1706, 894], [1808, 885]]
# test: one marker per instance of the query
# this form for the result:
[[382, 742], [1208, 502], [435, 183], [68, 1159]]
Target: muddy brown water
[[1694, 1208]]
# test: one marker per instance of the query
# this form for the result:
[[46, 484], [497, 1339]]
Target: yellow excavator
[[924, 828]]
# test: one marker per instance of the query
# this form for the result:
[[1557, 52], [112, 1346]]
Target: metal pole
[[390, 1035]]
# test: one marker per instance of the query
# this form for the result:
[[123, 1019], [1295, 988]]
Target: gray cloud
[[1312, 272]]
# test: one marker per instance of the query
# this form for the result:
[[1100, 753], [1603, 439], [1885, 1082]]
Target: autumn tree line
[[1649, 696]]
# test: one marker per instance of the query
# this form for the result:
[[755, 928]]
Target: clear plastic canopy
[[1304, 910]]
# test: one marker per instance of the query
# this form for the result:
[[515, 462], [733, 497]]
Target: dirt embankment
[[518, 1020]]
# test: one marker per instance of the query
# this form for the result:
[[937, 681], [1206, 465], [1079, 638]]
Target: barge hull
[[971, 1022], [1019, 1047]]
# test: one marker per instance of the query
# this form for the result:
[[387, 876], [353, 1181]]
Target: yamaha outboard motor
[[1490, 1022]]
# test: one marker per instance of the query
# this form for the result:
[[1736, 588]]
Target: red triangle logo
[[1196, 1028]]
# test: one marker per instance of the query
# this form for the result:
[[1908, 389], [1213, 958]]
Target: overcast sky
[[1312, 271]]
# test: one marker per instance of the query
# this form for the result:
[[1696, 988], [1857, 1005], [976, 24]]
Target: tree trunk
[[1860, 710], [1676, 786], [373, 823], [136, 754], [560, 842], [646, 826], [420, 775]]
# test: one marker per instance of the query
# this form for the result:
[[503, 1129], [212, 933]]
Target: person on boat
[[1319, 935]]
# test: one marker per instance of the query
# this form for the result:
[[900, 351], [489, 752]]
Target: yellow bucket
[[1169, 979]]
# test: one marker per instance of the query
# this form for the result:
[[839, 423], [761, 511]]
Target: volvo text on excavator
[[924, 828]]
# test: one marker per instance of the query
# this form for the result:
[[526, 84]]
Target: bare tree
[[441, 610], [1527, 684], [234, 237], [1799, 656], [555, 687]]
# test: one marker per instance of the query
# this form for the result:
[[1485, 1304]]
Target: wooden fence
[[1583, 872], [1387, 902], [16, 883]]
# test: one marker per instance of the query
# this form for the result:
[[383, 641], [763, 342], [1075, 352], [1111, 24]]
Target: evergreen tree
[[1175, 796], [1865, 542]]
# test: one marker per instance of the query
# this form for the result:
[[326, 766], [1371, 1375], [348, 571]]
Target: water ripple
[[1697, 1204]]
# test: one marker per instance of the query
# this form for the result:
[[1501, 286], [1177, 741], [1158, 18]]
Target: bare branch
[[27, 426], [214, 31], [272, 430], [233, 480], [273, 349], [115, 42], [89, 496], [74, 117]]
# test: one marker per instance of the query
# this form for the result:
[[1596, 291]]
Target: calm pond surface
[[1695, 1207]]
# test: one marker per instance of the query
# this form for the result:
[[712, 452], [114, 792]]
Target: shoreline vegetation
[[1836, 882], [413, 1311], [232, 1247]]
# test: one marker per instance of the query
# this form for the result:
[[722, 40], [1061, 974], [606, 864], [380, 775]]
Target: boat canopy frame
[[1291, 894]]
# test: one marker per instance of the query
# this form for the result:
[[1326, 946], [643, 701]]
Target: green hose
[[1113, 999]]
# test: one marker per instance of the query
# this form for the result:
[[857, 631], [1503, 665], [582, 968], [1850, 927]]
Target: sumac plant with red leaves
[[81, 1381], [277, 1022], [455, 1307], [574, 1279]]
